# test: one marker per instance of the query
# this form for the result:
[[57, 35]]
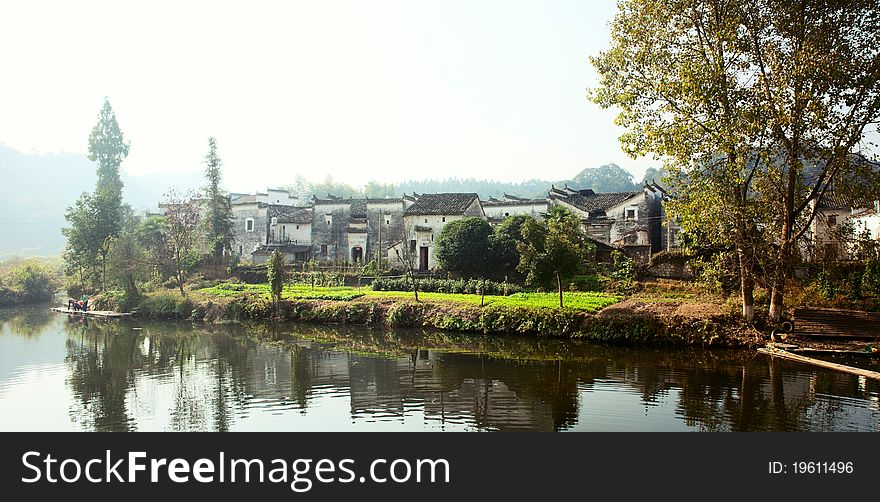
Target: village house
[[424, 219], [355, 230], [838, 220], [351, 231], [263, 222], [867, 221], [630, 221], [510, 205]]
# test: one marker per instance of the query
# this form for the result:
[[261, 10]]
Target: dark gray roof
[[290, 214], [833, 200], [244, 199], [358, 208], [517, 202], [593, 202], [442, 203]]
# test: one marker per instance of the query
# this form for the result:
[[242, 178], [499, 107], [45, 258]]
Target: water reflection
[[124, 376]]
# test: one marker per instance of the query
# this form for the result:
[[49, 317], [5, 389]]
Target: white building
[[509, 205], [424, 220]]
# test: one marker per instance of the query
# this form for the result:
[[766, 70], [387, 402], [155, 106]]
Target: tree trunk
[[781, 273], [776, 299], [103, 271], [559, 285], [180, 282], [747, 287]]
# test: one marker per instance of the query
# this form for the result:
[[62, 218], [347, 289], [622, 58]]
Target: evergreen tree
[[218, 215], [108, 148]]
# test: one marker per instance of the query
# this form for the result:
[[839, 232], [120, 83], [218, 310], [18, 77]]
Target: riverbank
[[587, 316]]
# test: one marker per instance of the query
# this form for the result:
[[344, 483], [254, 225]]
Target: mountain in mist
[[35, 191]]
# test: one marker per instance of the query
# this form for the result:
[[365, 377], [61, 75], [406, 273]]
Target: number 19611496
[[804, 467]]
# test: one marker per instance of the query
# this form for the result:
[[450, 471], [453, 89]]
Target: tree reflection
[[211, 378]]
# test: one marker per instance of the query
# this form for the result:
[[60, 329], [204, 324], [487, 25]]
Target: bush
[[28, 281], [166, 306], [585, 283], [454, 286]]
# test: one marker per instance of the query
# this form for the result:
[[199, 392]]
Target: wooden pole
[[818, 362]]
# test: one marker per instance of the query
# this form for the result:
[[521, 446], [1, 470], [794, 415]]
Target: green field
[[588, 302]]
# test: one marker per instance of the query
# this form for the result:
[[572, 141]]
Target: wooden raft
[[835, 323], [819, 362], [107, 314]]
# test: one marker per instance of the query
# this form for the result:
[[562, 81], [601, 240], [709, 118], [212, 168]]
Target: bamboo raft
[[104, 314], [836, 323], [785, 354]]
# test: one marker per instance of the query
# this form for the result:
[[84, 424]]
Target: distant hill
[[35, 191]]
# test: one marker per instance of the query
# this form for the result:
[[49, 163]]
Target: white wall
[[299, 232], [501, 211]]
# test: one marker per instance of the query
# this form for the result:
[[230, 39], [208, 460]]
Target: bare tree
[[408, 257], [182, 220]]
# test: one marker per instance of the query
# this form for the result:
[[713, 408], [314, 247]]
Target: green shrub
[[455, 286], [28, 281], [585, 283], [166, 306]]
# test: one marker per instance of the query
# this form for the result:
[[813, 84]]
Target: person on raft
[[81, 305]]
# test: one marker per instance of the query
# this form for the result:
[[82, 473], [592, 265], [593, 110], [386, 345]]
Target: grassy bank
[[589, 316]]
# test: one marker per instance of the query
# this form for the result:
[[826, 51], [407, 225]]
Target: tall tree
[[218, 223], [741, 96], [554, 249], [818, 89], [108, 148], [672, 71]]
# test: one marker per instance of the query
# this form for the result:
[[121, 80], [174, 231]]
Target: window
[[387, 221], [412, 246], [329, 219], [323, 250], [249, 225], [506, 215], [426, 220], [239, 249], [832, 220], [444, 219], [632, 213], [297, 227]]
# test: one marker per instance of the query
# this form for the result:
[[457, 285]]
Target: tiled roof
[[441, 203], [358, 208], [598, 201], [833, 200], [244, 199], [519, 202], [290, 214]]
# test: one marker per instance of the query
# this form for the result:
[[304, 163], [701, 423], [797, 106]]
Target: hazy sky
[[360, 90]]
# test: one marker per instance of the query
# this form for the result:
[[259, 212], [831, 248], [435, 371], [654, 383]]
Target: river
[[59, 373]]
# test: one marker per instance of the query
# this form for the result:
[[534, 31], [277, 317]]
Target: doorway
[[423, 258], [357, 254]]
